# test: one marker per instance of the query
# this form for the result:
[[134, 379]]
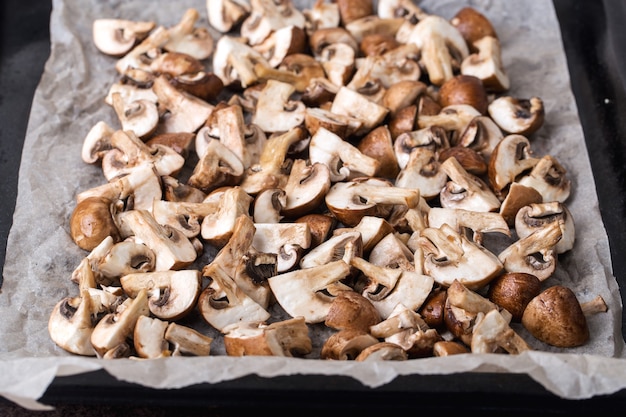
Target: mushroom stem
[[597, 305]]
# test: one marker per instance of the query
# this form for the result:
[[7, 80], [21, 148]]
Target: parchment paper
[[41, 255]]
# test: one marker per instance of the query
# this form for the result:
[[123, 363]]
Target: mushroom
[[454, 118], [351, 103], [92, 221], [555, 317], [139, 116], [462, 220], [432, 309], [131, 92], [450, 256], [386, 287], [464, 89], [400, 319], [449, 347], [344, 246], [282, 42], [481, 134], [268, 205], [433, 138], [97, 142], [171, 294], [115, 328], [350, 310], [217, 228], [517, 115], [343, 159], [401, 95], [174, 190], [550, 179], [297, 69], [376, 44], [350, 10], [116, 37], [466, 191], [367, 25], [181, 142], [267, 16], [382, 351], [334, 35], [346, 344], [486, 65], [173, 250], [493, 332], [234, 62], [142, 54], [286, 240], [225, 14], [510, 158], [367, 196], [306, 188], [288, 337], [187, 341], [472, 161], [372, 229], [223, 303], [440, 44], [184, 216], [186, 38], [321, 15], [309, 292], [538, 215], [338, 62], [174, 64], [378, 144], [518, 196], [149, 338], [71, 324], [513, 291], [320, 225], [218, 167], [473, 25], [391, 252], [422, 172], [400, 8], [343, 126], [534, 254], [202, 84], [123, 258]]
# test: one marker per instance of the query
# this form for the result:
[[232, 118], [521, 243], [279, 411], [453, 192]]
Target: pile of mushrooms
[[345, 164]]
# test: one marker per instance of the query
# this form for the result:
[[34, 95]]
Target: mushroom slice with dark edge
[[351, 103], [71, 324], [183, 216], [275, 112], [343, 126], [401, 318], [350, 310], [124, 258], [518, 196], [423, 172], [218, 167], [267, 16], [453, 118], [392, 252], [142, 54], [346, 344], [516, 115], [217, 228], [288, 337], [486, 65], [343, 159], [366, 196], [534, 254], [462, 220], [115, 328], [386, 287], [481, 134], [287, 240], [187, 38], [116, 37], [173, 249], [372, 230], [140, 116], [382, 351], [539, 215], [171, 294], [449, 255], [511, 158], [149, 338], [309, 292], [268, 205], [378, 144], [234, 62], [186, 341], [448, 348], [321, 15], [176, 191], [550, 179], [223, 303], [344, 246], [493, 332], [338, 62], [223, 15], [97, 142], [281, 43], [433, 138], [465, 190], [306, 188]]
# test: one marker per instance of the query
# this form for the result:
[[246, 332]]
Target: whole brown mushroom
[[513, 291], [464, 89], [351, 310], [92, 221], [473, 25]]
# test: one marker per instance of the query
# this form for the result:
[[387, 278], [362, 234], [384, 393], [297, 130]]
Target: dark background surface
[[594, 37]]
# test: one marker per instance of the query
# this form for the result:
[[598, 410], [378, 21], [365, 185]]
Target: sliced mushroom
[[449, 347], [139, 116], [174, 190], [465, 190], [142, 54], [391, 252], [275, 112], [309, 292], [486, 65], [184, 216], [218, 167], [481, 134], [400, 319], [510, 159], [462, 220], [516, 115], [537, 216], [234, 62], [338, 62], [287, 240], [454, 118], [422, 172], [350, 10], [97, 142], [171, 294], [320, 224], [306, 188], [217, 228], [71, 324], [493, 332], [225, 14], [367, 25], [149, 338], [289, 337], [378, 144], [383, 351], [518, 196], [125, 258], [268, 205], [187, 341], [351, 103], [187, 38], [550, 179], [282, 42], [433, 138], [267, 16], [450, 256], [346, 344], [116, 37], [464, 89], [297, 69], [534, 254], [344, 246], [372, 229], [321, 15]]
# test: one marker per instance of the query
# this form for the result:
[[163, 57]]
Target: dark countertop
[[593, 35]]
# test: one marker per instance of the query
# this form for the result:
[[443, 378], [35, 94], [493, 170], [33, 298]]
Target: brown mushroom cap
[[555, 317], [473, 25], [92, 221], [351, 310], [513, 291], [464, 89]]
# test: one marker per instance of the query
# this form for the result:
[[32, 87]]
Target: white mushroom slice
[[338, 61], [234, 61], [534, 254], [433, 138], [217, 227], [423, 172], [130, 93], [130, 152], [440, 44], [268, 205], [493, 332], [173, 250], [389, 287], [321, 15], [115, 328], [537, 216], [481, 134], [218, 167], [416, 342], [117, 37], [343, 126], [171, 294], [449, 255], [391, 252], [394, 66], [344, 246], [188, 39], [287, 240], [139, 116], [343, 159], [510, 159], [518, 196], [453, 118], [282, 338], [461, 220], [306, 188], [223, 303], [406, 8], [296, 68], [466, 191], [187, 341], [225, 14], [517, 116], [372, 229], [401, 318], [184, 216], [347, 344], [71, 324], [85, 271], [174, 190], [184, 112], [124, 258], [367, 25], [487, 65], [142, 54], [550, 179], [280, 43], [459, 295], [149, 338], [267, 16], [350, 201], [350, 103], [97, 142], [275, 112], [309, 292]]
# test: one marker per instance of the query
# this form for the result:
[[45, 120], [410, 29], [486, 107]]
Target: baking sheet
[[60, 120]]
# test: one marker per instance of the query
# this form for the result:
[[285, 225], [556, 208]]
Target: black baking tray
[[593, 37]]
